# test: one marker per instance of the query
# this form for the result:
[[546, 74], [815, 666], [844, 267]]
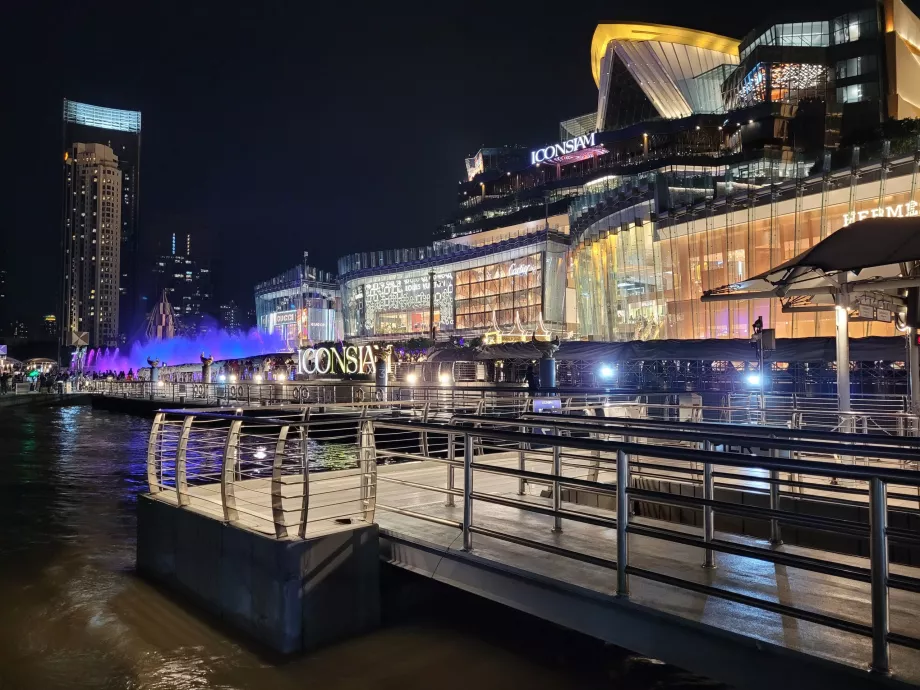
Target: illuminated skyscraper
[[92, 246], [120, 132]]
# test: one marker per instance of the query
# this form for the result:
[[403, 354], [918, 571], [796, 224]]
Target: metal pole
[[522, 483], [776, 538], [708, 494], [843, 349], [450, 467], [557, 491], [431, 303], [622, 523], [913, 361], [878, 563], [467, 492]]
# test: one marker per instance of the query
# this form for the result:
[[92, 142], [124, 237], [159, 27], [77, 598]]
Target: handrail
[[256, 463], [817, 467], [735, 429], [877, 573]]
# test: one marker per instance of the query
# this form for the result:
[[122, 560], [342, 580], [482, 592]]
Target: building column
[[843, 350], [913, 369]]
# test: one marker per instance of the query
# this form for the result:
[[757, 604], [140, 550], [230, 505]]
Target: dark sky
[[271, 128]]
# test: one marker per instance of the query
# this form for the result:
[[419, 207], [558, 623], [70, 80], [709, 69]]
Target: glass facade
[[521, 284], [502, 292], [639, 276], [302, 307]]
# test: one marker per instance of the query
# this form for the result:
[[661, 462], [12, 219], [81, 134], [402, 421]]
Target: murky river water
[[73, 613]]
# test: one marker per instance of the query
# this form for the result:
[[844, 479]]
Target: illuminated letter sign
[[282, 317], [900, 211], [570, 146], [354, 359], [521, 269]]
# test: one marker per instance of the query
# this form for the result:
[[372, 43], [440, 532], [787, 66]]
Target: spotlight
[[257, 378], [159, 384], [444, 379], [232, 378], [411, 379], [753, 380], [606, 371], [222, 378]]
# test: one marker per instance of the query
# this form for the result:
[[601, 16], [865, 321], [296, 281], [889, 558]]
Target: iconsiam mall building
[[707, 161]]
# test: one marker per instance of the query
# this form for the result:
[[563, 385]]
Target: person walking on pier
[[533, 383]]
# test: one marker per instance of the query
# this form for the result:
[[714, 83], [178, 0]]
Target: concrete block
[[156, 531], [341, 592], [235, 577], [198, 548]]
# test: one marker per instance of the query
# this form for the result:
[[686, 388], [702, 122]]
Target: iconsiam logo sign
[[561, 149], [354, 359], [907, 210]]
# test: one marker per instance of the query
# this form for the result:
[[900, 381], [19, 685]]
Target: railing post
[[878, 562], [305, 501], [467, 491], [522, 466], [708, 495], [368, 459], [450, 468], [153, 462], [277, 484], [557, 490], [181, 475], [776, 536], [228, 471], [622, 522], [425, 433]]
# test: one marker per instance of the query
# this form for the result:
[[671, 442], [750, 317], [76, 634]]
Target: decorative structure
[[206, 363], [154, 369], [547, 351], [161, 324]]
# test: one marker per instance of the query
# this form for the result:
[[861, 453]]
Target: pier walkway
[[486, 505]]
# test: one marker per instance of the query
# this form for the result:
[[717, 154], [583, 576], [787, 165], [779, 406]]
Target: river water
[[73, 613]]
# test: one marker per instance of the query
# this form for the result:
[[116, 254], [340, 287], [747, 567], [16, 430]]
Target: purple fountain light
[[187, 350]]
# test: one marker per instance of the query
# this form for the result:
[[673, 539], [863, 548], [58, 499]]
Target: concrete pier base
[[290, 595]]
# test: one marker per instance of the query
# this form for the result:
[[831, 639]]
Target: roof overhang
[[605, 33]]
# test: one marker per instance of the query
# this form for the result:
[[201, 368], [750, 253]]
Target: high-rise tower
[[120, 132], [92, 246]]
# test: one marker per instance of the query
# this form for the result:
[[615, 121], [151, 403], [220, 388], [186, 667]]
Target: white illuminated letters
[[570, 146], [900, 211], [521, 269], [329, 360]]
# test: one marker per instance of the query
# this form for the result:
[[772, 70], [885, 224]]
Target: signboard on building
[[285, 317], [551, 152], [908, 210], [353, 359]]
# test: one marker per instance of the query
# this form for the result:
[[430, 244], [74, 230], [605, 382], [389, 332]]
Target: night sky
[[273, 128]]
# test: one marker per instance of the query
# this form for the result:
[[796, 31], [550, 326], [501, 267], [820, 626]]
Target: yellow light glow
[[604, 33]]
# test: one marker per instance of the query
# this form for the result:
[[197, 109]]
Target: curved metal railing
[[285, 475]]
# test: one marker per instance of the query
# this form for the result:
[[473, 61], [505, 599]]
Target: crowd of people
[[44, 382]]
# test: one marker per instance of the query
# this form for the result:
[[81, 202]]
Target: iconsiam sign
[[561, 149], [353, 359]]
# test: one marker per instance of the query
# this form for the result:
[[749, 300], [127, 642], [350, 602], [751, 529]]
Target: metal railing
[[285, 475], [574, 463]]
